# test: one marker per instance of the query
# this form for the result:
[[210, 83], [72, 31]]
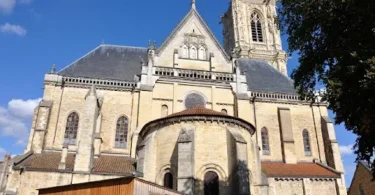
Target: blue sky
[[34, 34]]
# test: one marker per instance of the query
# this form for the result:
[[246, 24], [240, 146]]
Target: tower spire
[[192, 4]]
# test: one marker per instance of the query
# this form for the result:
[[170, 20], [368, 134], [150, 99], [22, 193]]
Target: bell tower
[[251, 29]]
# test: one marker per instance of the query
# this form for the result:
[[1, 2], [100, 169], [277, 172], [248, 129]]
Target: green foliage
[[336, 43]]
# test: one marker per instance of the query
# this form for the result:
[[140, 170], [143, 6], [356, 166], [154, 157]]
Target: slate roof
[[263, 77], [304, 170], [108, 62], [49, 161]]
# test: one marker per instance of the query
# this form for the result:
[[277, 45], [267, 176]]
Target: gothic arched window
[[168, 180], [71, 128], [184, 51], [265, 141], [194, 100], [256, 27], [193, 52], [306, 142], [202, 53], [121, 137], [211, 183], [164, 110]]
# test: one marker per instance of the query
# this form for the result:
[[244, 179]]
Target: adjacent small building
[[362, 183], [121, 186]]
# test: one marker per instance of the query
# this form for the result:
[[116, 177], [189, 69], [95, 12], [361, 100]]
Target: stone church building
[[189, 114]]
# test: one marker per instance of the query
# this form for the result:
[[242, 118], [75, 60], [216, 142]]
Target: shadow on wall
[[236, 183]]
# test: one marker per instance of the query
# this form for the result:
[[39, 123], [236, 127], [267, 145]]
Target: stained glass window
[[306, 142], [194, 100], [265, 141], [121, 132], [71, 128]]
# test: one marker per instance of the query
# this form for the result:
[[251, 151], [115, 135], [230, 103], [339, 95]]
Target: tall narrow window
[[256, 27], [164, 110], [306, 142], [184, 51], [202, 53], [193, 52], [211, 183], [168, 180], [265, 141], [71, 128], [121, 132]]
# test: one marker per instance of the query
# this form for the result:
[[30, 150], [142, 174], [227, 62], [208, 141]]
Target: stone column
[[83, 161], [97, 137], [185, 173], [241, 183], [41, 125], [64, 154], [287, 139], [332, 151]]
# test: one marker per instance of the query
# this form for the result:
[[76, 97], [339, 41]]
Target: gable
[[192, 31]]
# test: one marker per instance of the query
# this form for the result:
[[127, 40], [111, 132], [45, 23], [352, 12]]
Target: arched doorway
[[211, 183], [168, 180]]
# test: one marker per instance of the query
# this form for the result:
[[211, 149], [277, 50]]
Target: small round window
[[194, 100]]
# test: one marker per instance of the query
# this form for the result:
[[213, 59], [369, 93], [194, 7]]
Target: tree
[[336, 43]]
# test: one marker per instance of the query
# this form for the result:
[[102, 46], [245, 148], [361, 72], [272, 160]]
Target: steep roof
[[278, 169], [263, 77], [108, 62]]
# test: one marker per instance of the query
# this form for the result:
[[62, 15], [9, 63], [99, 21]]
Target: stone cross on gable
[[193, 4]]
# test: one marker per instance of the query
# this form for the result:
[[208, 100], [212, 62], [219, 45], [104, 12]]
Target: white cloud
[[6, 6], [23, 108], [14, 119], [13, 29], [346, 150]]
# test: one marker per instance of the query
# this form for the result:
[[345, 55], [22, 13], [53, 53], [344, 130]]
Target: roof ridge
[[126, 46]]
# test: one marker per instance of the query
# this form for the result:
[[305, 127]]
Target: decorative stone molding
[[99, 82], [193, 74], [163, 99], [153, 125]]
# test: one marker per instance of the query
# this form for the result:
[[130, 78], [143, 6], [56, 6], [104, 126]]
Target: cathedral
[[191, 114]]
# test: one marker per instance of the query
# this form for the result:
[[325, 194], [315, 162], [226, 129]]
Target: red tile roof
[[277, 169], [114, 164], [201, 111], [49, 161]]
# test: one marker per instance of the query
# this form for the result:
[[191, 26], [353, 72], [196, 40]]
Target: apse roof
[[263, 77], [108, 62]]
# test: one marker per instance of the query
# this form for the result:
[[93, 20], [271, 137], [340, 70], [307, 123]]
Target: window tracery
[[256, 27], [71, 128], [121, 132]]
